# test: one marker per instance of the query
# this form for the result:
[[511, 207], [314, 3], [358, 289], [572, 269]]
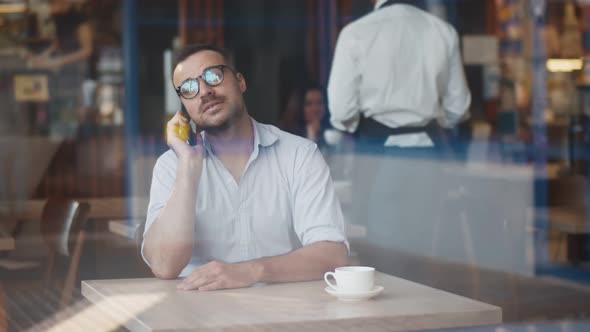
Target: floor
[[522, 299]]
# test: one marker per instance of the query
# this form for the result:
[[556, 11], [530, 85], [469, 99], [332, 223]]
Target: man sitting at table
[[248, 203]]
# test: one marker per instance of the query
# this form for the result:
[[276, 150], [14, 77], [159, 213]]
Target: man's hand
[[219, 275], [180, 147]]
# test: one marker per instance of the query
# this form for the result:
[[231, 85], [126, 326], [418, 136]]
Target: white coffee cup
[[352, 279]]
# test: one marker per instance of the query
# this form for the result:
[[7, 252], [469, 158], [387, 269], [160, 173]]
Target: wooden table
[[103, 208], [156, 305]]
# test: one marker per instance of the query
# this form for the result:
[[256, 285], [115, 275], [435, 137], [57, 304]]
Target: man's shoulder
[[359, 23], [378, 17], [396, 14], [286, 140], [415, 14], [437, 21]]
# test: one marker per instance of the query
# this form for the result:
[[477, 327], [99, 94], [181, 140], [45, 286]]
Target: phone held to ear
[[184, 131]]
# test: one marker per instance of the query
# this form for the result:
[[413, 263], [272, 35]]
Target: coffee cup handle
[[326, 275]]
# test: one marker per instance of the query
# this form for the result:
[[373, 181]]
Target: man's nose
[[206, 91]]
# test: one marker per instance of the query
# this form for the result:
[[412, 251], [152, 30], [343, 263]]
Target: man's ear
[[241, 82]]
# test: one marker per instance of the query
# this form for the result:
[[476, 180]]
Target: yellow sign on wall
[[31, 88]]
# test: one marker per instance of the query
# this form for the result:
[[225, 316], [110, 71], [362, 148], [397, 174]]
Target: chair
[[62, 229], [143, 268], [454, 203], [567, 212]]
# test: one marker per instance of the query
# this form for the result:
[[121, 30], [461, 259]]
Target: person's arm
[[307, 263], [343, 85], [168, 242], [456, 98], [85, 38], [317, 221], [49, 50], [41, 59]]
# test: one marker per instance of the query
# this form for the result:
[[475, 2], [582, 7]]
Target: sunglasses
[[212, 76]]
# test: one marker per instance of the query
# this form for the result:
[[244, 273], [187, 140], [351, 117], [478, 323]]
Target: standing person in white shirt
[[248, 203], [397, 81]]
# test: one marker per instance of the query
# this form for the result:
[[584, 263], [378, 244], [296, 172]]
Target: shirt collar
[[262, 137], [379, 3]]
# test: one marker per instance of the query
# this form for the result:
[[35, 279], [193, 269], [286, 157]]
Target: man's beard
[[215, 129]]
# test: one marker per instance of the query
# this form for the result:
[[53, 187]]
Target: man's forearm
[[169, 241], [307, 263]]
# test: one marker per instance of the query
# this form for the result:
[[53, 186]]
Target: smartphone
[[192, 138]]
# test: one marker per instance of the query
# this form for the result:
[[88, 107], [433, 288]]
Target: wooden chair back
[[62, 227]]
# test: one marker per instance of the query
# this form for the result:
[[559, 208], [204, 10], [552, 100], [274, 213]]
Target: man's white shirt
[[381, 69], [285, 199]]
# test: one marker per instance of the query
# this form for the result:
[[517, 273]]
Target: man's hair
[[183, 53]]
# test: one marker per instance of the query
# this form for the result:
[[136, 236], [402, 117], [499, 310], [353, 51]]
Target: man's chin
[[213, 128], [216, 122]]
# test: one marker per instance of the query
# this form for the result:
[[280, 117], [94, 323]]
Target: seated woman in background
[[306, 113], [314, 111]]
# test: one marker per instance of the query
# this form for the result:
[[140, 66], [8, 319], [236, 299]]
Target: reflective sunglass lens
[[189, 89], [213, 76]]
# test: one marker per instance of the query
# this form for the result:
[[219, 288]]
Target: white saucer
[[354, 296]]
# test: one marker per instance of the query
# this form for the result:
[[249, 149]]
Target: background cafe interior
[[514, 232]]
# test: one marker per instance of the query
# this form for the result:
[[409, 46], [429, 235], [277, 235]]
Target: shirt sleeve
[[162, 185], [456, 98], [343, 85], [317, 214]]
